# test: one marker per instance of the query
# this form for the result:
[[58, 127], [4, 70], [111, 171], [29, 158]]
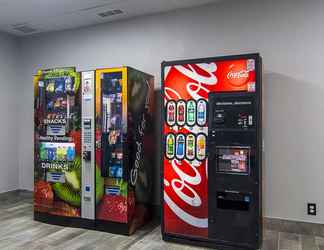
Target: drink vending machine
[[93, 148], [211, 166]]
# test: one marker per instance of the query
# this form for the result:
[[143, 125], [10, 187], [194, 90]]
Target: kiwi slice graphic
[[70, 191]]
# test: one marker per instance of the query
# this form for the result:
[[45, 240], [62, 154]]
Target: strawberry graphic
[[76, 135], [113, 208], [43, 196]]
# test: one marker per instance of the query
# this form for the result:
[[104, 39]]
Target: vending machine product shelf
[[212, 167], [93, 148]]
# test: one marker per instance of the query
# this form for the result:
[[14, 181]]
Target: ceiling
[[25, 17]]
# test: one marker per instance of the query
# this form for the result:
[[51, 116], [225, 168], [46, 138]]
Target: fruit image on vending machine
[[211, 166], [93, 148]]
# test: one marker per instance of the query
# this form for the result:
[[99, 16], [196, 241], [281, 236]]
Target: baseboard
[[18, 192], [8, 191], [292, 226], [275, 224]]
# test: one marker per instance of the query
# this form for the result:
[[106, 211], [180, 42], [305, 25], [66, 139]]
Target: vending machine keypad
[[88, 134]]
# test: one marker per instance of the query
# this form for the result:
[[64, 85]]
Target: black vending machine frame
[[207, 242]]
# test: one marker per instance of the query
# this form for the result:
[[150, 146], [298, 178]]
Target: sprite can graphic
[[191, 112]]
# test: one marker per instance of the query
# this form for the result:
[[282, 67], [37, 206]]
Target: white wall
[[9, 118], [289, 36]]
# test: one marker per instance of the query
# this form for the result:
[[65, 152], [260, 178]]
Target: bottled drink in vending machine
[[201, 147], [201, 112], [171, 113], [70, 154], [190, 150], [51, 153], [170, 145], [60, 153], [181, 113], [42, 152], [180, 146], [191, 112]]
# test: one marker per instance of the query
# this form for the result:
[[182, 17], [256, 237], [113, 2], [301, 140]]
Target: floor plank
[[18, 231]]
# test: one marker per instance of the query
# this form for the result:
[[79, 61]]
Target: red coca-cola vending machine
[[212, 146]]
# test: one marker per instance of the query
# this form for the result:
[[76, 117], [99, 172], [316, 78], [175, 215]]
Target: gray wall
[[289, 36], [9, 176]]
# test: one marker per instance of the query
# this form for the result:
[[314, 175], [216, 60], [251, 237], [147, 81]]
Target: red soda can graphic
[[171, 113], [181, 113]]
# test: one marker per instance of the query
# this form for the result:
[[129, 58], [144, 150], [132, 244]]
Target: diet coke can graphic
[[185, 176]]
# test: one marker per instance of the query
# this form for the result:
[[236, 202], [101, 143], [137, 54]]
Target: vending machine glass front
[[112, 136]]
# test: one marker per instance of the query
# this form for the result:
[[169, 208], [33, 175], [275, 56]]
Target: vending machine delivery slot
[[233, 200]]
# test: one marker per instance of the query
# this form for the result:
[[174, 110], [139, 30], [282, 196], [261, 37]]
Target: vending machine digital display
[[94, 148], [211, 165]]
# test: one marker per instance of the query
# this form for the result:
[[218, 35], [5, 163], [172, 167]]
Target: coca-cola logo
[[184, 181], [179, 185], [237, 75]]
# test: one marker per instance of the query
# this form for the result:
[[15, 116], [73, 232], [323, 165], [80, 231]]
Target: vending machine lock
[[87, 155]]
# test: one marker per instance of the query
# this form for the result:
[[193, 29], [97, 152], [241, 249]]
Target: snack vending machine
[[57, 144], [211, 166], [93, 148]]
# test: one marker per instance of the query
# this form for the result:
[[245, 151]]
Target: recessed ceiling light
[[25, 29], [110, 13]]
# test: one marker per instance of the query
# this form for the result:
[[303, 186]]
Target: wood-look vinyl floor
[[18, 231]]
